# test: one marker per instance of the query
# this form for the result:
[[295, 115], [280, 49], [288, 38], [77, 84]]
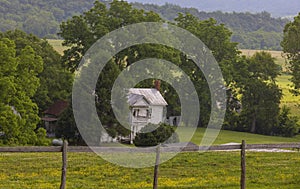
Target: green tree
[[19, 114], [82, 31], [288, 125], [260, 94], [291, 46], [55, 80], [217, 38]]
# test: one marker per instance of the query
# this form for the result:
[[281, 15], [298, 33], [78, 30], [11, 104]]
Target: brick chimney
[[157, 84]]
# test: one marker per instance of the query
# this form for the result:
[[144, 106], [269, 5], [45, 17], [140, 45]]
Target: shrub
[[152, 135], [41, 137], [287, 126]]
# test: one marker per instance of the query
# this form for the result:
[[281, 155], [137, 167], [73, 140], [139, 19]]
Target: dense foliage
[[32, 79], [152, 135], [291, 46], [33, 75], [253, 79], [18, 82], [55, 81], [42, 18]]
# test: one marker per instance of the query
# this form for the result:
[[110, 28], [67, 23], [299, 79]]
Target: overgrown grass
[[186, 170]]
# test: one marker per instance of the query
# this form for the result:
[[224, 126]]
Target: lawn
[[186, 170], [236, 137]]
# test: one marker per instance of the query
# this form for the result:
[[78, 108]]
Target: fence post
[[64, 165], [243, 165], [155, 179]]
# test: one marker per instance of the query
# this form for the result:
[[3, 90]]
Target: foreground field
[[186, 170]]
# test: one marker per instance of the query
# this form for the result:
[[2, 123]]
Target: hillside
[[42, 18], [251, 31], [278, 8]]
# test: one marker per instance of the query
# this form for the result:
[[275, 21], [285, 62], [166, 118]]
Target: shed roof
[[152, 96], [57, 108]]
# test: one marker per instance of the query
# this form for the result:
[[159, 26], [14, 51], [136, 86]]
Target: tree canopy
[[291, 46], [19, 82], [252, 79], [42, 18], [33, 78], [82, 31]]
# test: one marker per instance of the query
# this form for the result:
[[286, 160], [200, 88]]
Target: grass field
[[57, 45], [289, 100], [208, 170]]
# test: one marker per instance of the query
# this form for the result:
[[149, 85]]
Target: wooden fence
[[65, 149]]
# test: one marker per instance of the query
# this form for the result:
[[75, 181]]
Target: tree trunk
[[253, 125]]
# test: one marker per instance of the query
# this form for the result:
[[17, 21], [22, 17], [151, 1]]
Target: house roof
[[49, 119], [57, 108], [152, 96]]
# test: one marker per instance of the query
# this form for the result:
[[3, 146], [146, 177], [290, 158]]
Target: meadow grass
[[57, 45], [208, 170]]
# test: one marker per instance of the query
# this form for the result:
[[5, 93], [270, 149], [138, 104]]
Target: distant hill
[[43, 17], [251, 31], [40, 17], [277, 8]]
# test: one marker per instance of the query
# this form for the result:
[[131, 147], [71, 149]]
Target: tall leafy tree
[[217, 38], [19, 81], [55, 80], [291, 46], [260, 94]]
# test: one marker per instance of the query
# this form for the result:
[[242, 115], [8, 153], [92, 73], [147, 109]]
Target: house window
[[142, 112], [149, 112]]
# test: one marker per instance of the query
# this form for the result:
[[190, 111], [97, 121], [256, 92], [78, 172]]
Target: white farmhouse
[[147, 105]]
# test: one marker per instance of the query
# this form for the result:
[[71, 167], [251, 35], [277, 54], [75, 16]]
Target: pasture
[[57, 45], [208, 170]]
